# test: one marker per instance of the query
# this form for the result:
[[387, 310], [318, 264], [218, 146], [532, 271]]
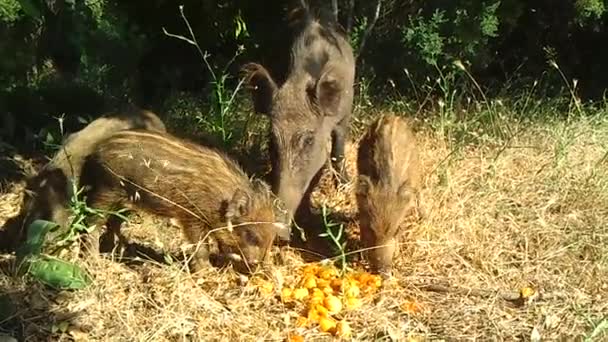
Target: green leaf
[[599, 329], [58, 274], [60, 327], [36, 232], [339, 234], [31, 8]]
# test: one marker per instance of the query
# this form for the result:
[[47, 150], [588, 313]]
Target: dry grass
[[533, 213]]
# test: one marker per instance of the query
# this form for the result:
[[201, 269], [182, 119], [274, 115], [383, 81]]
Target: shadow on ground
[[316, 247]]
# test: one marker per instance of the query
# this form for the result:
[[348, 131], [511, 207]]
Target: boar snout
[[380, 257], [291, 196]]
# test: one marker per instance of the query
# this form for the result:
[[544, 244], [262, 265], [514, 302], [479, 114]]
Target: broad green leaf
[[36, 233], [58, 274], [61, 326], [31, 8]]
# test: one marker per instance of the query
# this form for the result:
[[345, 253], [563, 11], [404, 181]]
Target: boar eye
[[250, 237], [307, 139]]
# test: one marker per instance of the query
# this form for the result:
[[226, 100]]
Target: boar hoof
[[386, 276], [242, 279], [200, 259], [91, 242], [197, 264], [423, 212]]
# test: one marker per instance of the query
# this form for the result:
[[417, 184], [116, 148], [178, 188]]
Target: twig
[[349, 16], [369, 28], [510, 296], [334, 8]]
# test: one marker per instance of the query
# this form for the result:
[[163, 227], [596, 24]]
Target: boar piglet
[[312, 106], [388, 187], [47, 194], [200, 188]]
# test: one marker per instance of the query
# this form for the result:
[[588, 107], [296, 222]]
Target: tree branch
[[370, 27], [334, 8], [349, 16]]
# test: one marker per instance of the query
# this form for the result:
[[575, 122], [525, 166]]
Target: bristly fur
[[300, 14], [201, 187], [388, 187], [48, 192], [312, 106]]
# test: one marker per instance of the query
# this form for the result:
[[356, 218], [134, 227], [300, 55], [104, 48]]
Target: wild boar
[[312, 106], [47, 193], [199, 187], [388, 187]]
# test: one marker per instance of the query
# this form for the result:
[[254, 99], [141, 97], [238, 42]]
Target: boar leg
[[12, 233], [421, 207], [338, 138], [304, 216], [200, 258], [103, 199]]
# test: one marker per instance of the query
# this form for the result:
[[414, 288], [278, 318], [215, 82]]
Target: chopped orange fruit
[[328, 290], [313, 315], [327, 274], [352, 291], [286, 294], [321, 283], [375, 281], [310, 282], [322, 310], [527, 292], [353, 303], [317, 297], [343, 329], [326, 324], [295, 338], [333, 304], [266, 288], [363, 277], [336, 284], [302, 322], [310, 269], [299, 294], [410, 306]]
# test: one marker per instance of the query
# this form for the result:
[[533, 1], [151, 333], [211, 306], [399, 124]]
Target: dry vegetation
[[529, 213]]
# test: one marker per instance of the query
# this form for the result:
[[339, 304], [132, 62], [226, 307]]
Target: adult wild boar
[[312, 106], [200, 187], [47, 193], [388, 187]]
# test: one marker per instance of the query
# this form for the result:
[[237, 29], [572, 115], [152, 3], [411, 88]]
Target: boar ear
[[329, 92], [238, 206], [261, 86], [364, 184], [259, 185]]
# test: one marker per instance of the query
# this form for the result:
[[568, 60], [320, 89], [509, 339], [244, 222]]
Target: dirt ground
[[531, 212]]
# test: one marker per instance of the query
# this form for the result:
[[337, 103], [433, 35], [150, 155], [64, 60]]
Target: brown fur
[[388, 188], [200, 187], [47, 193], [310, 108]]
